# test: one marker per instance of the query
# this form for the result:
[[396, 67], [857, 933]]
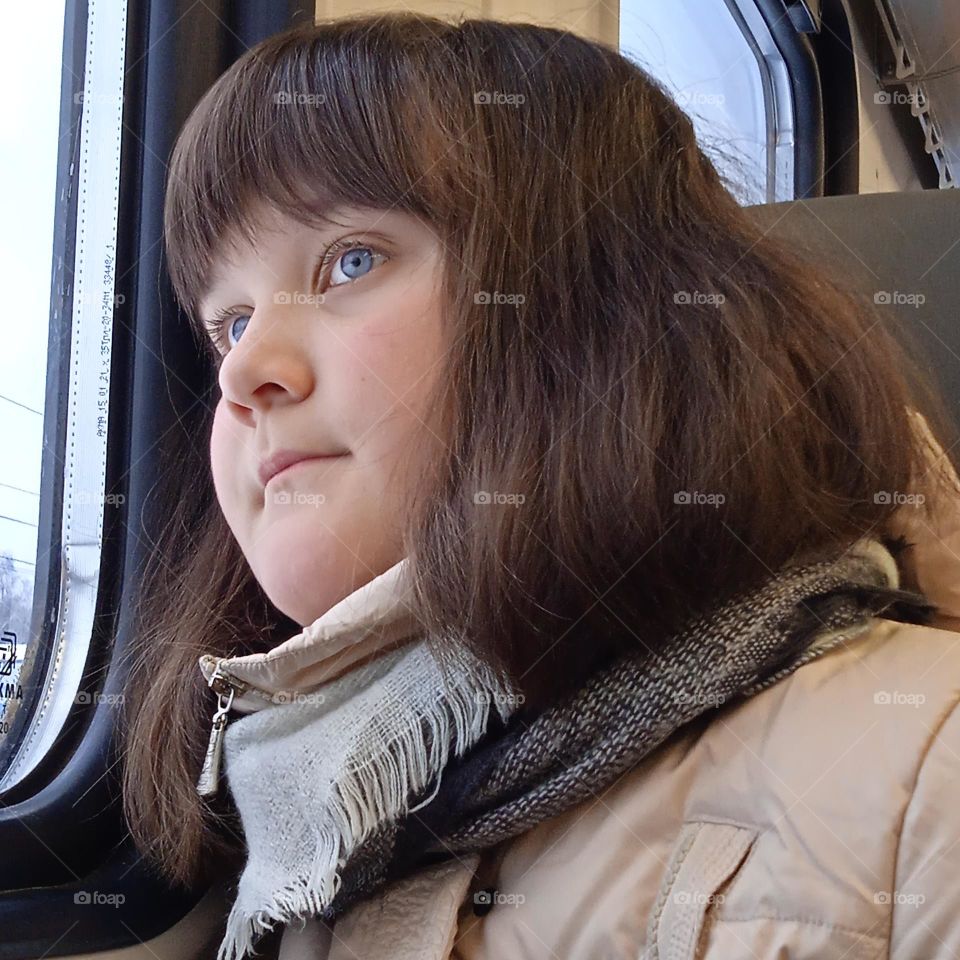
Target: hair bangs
[[311, 123]]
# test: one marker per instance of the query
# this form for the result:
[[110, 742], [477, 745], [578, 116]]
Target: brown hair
[[648, 352]]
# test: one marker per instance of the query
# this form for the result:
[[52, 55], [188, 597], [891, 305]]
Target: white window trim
[[98, 186]]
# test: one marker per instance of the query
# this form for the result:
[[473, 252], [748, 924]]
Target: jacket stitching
[[666, 885], [710, 914], [807, 921], [751, 855], [693, 828], [925, 753], [729, 822], [826, 643]]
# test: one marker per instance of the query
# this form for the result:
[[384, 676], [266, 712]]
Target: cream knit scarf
[[316, 765]]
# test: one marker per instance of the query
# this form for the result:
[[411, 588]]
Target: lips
[[282, 459]]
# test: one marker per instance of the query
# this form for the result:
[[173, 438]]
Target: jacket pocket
[[705, 858]]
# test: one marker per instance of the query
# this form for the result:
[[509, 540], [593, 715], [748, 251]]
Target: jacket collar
[[374, 617]]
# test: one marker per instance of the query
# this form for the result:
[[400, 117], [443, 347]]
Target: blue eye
[[226, 326], [356, 262], [231, 328], [224, 320]]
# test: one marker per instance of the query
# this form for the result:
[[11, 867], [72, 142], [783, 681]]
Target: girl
[[577, 572]]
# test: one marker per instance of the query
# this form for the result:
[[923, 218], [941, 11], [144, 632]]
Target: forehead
[[260, 222]]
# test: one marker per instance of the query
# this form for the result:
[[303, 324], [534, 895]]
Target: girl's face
[[327, 351]]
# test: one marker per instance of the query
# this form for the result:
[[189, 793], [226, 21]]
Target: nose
[[267, 366]]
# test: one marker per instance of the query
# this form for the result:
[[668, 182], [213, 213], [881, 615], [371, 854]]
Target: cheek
[[391, 365], [383, 375], [223, 462]]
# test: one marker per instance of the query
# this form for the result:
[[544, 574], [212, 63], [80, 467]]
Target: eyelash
[[221, 317]]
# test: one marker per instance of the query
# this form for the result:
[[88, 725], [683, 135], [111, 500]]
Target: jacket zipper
[[226, 687]]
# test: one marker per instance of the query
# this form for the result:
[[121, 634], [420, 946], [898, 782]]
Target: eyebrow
[[206, 294], [348, 212]]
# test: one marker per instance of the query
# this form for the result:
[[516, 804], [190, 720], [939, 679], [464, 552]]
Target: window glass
[[719, 62], [29, 126], [60, 186]]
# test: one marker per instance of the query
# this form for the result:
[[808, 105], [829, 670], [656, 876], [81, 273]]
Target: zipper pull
[[209, 781]]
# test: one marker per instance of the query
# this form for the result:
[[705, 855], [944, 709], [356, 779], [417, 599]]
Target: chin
[[304, 568]]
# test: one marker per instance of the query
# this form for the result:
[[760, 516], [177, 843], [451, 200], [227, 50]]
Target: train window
[[721, 63], [60, 174]]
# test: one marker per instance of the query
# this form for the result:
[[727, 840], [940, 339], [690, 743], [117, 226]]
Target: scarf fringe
[[379, 790]]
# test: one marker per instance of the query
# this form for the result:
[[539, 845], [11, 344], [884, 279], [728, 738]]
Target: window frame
[[802, 85], [61, 827], [73, 466]]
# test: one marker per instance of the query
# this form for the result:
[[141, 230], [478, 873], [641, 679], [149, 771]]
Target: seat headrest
[[902, 250]]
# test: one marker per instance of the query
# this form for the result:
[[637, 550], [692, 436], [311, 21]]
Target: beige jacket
[[819, 819]]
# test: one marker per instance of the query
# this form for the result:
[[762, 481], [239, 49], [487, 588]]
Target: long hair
[[646, 404]]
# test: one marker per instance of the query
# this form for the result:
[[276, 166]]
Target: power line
[[10, 486], [3, 516], [17, 403]]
